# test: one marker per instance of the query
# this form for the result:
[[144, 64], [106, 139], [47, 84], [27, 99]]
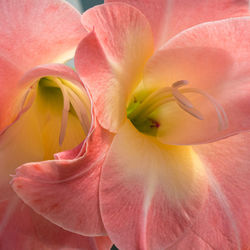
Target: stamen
[[192, 111], [222, 117], [80, 111], [181, 98], [152, 99], [79, 91], [169, 94], [65, 112], [154, 106], [29, 97], [79, 104]]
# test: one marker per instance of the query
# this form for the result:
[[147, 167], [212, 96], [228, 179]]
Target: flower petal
[[53, 69], [48, 187], [149, 192], [21, 228], [224, 222], [9, 77], [15, 86], [168, 18], [110, 60], [213, 57], [36, 32], [29, 132]]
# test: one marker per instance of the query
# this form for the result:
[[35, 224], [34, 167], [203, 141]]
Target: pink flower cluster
[[145, 144]]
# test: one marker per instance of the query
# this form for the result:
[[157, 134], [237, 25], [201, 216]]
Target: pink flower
[[43, 110], [167, 165]]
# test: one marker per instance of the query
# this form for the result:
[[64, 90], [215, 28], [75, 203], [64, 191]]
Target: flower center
[[145, 103], [60, 107]]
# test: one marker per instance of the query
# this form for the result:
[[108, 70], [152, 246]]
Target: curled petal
[[66, 191], [110, 60], [22, 135]]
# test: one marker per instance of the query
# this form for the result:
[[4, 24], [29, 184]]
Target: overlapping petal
[[168, 17], [110, 60], [149, 192], [214, 58], [38, 32], [22, 128], [153, 195], [47, 32], [66, 191]]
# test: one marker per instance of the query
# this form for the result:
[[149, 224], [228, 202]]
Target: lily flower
[[169, 153], [43, 110]]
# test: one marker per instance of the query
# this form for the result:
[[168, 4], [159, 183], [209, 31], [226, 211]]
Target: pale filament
[[170, 94], [70, 97], [29, 97], [65, 112], [82, 112]]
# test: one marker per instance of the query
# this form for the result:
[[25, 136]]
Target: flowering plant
[[44, 109], [166, 163]]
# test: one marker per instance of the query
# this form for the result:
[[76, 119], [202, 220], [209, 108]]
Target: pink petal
[[213, 57], [57, 70], [217, 227], [21, 228], [168, 18], [66, 191], [110, 60], [10, 96], [36, 32], [150, 193]]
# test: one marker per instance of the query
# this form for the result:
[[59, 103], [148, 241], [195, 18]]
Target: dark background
[[86, 4], [83, 5]]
